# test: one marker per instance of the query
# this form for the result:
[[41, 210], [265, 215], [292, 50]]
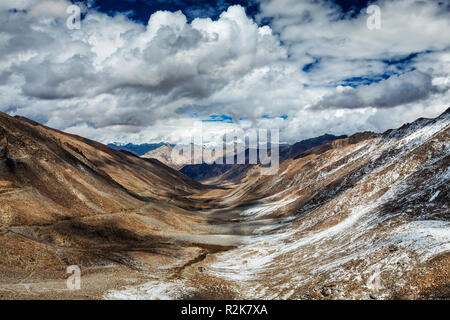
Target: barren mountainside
[[363, 217], [163, 154]]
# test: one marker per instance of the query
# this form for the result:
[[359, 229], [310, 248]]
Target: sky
[[146, 71]]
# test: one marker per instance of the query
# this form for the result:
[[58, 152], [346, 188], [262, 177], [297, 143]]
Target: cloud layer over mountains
[[312, 69]]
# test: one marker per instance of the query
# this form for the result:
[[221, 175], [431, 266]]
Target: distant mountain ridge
[[163, 154], [235, 172], [301, 146], [137, 149]]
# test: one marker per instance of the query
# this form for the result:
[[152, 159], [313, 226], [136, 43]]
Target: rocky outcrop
[[3, 147]]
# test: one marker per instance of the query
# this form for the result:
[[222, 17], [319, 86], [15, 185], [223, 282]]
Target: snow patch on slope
[[153, 290]]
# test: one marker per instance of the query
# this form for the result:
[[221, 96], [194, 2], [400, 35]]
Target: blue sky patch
[[141, 10], [308, 67], [219, 118], [266, 116], [363, 80], [394, 66]]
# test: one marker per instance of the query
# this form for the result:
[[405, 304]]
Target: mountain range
[[137, 149], [212, 173], [234, 173], [359, 217]]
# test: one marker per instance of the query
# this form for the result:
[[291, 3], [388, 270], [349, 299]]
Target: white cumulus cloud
[[115, 79]]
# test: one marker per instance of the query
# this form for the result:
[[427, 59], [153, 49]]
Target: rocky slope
[[66, 200], [163, 154], [301, 146], [364, 217]]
